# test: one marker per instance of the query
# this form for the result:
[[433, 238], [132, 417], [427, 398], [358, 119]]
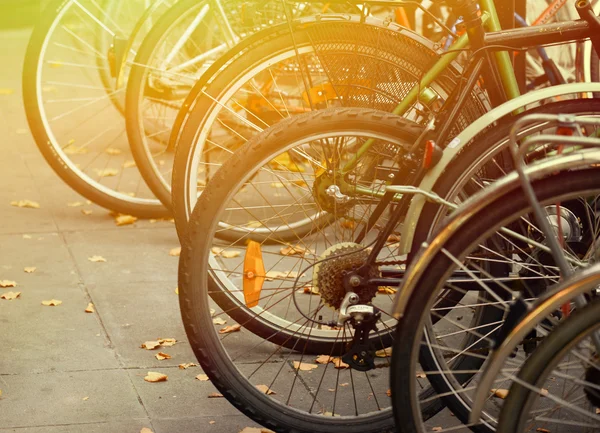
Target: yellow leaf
[[348, 224], [229, 254], [202, 377], [55, 64], [437, 429], [146, 430], [129, 164], [162, 356], [9, 296], [211, 422], [26, 203], [384, 353], [107, 172], [167, 342], [90, 308], [187, 365], [421, 375], [294, 250], [256, 430], [177, 290], [85, 398], [52, 303], [254, 224], [26, 236], [338, 363], [74, 150], [8, 283], [75, 204], [86, 211], [500, 393], [123, 220], [215, 395], [386, 290], [230, 329], [303, 366], [542, 430], [113, 151], [150, 345], [153, 377], [97, 259], [6, 91], [276, 185], [265, 389], [219, 321], [175, 252], [29, 269], [323, 359]]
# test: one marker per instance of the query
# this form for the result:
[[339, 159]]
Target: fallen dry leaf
[[202, 377], [97, 259], [256, 430], [153, 377], [6, 91], [9, 296], [74, 150], [421, 375], [175, 252], [75, 204], [129, 164], [254, 224], [86, 211], [85, 398], [310, 290], [393, 238], [500, 393], [384, 353], [230, 329], [276, 185], [177, 290], [8, 283], [323, 359], [113, 151], [167, 342], [437, 429], [386, 290], [348, 224], [124, 220], [542, 430], [26, 236], [107, 172], [162, 356], [389, 392], [146, 430], [26, 203], [339, 363], [215, 395], [344, 384], [304, 366], [90, 308], [293, 250], [265, 389], [52, 303], [150, 345], [544, 392], [29, 269], [211, 422], [219, 321], [187, 365], [227, 254]]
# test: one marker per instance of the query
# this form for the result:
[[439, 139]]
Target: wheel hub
[[334, 265]]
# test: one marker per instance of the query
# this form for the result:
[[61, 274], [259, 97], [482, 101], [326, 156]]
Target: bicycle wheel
[[497, 252], [178, 50], [73, 118], [279, 178], [558, 387], [374, 67]]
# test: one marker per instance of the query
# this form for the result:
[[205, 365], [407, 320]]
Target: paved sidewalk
[[65, 370]]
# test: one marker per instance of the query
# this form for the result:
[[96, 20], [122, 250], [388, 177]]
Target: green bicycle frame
[[491, 22]]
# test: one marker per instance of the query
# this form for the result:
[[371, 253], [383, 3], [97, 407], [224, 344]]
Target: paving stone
[[58, 398]]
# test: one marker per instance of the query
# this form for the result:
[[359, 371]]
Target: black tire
[[393, 45], [69, 174], [195, 282], [541, 363], [408, 349]]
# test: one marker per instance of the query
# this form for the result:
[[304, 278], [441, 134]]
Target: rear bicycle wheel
[[274, 182]]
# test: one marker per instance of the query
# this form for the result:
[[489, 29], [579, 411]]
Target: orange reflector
[[565, 131], [254, 274], [428, 157]]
